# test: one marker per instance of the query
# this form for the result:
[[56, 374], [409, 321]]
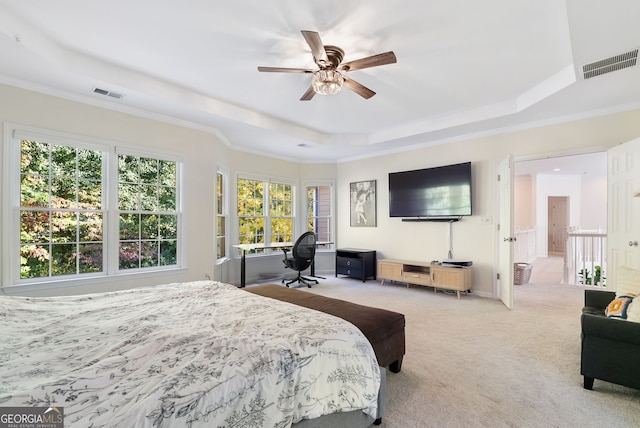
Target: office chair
[[303, 252]]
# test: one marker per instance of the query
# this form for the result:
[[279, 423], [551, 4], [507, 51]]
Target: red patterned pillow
[[618, 307]]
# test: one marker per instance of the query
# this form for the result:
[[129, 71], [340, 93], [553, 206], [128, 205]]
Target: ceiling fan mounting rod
[[334, 55]]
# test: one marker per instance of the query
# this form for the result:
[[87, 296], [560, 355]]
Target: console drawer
[[348, 262], [420, 278], [355, 273]]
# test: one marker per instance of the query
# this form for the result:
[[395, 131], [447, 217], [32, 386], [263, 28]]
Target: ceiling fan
[[331, 73]]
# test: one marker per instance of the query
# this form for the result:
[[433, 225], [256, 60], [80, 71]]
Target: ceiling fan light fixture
[[327, 82]]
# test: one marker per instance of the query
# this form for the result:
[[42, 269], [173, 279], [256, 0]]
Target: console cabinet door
[[390, 270], [451, 278]]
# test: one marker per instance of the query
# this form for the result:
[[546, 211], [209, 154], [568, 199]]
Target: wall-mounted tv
[[440, 192]]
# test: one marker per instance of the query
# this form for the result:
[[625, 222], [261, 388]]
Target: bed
[[191, 354], [383, 328]]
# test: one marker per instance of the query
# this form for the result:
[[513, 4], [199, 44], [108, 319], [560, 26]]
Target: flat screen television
[[440, 192]]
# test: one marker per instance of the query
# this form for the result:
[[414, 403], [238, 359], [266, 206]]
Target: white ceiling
[[464, 67], [591, 165]]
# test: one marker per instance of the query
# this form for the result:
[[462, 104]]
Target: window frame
[[222, 212], [266, 200], [13, 134], [331, 216], [116, 211]]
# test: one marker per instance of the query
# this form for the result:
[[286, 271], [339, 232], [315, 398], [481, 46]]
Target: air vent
[[108, 93], [618, 62]]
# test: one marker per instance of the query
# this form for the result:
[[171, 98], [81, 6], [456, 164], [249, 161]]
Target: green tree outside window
[[62, 210], [61, 217], [257, 225], [147, 194]]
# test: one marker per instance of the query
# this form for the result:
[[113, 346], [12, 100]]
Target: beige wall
[[523, 202], [199, 150], [202, 152], [594, 203], [474, 238]]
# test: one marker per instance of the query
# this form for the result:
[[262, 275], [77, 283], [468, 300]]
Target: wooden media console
[[456, 278]]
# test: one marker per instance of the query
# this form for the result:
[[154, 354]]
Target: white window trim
[[225, 212], [113, 258], [332, 223], [10, 221], [265, 179]]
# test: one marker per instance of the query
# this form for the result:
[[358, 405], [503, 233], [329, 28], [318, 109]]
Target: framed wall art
[[363, 203]]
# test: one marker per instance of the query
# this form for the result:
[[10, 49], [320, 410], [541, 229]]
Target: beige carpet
[[473, 363]]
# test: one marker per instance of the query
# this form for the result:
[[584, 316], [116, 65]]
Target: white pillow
[[628, 282], [633, 311]]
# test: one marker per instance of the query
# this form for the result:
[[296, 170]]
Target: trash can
[[521, 273]]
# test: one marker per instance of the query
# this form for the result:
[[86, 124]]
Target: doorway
[[557, 223], [551, 194]]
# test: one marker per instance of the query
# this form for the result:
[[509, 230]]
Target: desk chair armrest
[[285, 260]]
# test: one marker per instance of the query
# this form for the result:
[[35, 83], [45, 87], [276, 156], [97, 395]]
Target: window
[[281, 212], [221, 218], [257, 224], [319, 212], [251, 217], [61, 208], [148, 218]]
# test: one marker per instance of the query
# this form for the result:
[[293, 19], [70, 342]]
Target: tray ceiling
[[464, 68]]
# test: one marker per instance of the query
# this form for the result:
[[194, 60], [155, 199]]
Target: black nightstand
[[356, 263]]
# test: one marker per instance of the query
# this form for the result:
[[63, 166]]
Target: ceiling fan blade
[[284, 70], [359, 89], [370, 61], [317, 48], [308, 95]]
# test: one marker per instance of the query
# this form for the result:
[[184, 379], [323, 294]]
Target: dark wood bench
[[383, 328]]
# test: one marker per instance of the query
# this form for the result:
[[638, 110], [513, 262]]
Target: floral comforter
[[192, 354]]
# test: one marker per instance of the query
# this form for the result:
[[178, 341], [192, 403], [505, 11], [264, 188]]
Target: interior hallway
[[547, 270]]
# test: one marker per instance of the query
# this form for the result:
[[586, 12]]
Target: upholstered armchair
[[610, 346]]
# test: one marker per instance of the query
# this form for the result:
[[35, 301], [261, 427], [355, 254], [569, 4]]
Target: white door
[[623, 209], [505, 227]]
